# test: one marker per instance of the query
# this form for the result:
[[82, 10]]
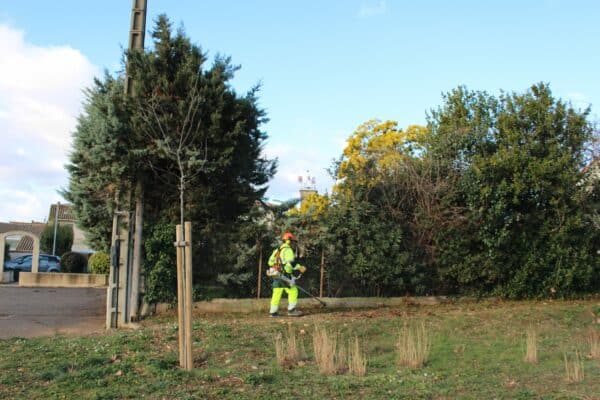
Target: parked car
[[47, 263]]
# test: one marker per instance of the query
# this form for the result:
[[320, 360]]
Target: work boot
[[295, 313], [274, 315]]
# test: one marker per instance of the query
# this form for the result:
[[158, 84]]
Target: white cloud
[[41, 90], [371, 9]]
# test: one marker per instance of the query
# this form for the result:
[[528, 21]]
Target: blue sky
[[326, 67]]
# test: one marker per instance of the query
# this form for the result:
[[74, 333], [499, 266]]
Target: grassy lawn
[[476, 352]]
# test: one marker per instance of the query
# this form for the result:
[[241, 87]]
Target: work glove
[[302, 269]]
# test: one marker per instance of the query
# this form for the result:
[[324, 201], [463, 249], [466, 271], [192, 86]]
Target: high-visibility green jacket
[[287, 259]]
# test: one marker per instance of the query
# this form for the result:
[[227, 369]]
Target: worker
[[282, 262]]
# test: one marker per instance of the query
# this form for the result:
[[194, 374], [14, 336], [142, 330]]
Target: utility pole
[[125, 271], [137, 34]]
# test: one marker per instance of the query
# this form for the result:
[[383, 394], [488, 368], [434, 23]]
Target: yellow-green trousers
[[292, 294]]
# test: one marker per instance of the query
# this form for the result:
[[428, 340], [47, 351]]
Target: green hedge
[[99, 263], [71, 262]]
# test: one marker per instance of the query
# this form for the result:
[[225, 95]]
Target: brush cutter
[[273, 273]]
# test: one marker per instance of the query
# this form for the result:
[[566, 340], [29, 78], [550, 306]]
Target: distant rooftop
[[65, 213]]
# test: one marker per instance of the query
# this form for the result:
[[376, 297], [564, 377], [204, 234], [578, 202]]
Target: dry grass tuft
[[324, 346], [341, 360], [531, 352], [413, 346], [594, 343], [574, 368], [357, 363], [286, 350]]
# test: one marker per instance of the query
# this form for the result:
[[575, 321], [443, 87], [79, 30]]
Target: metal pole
[[55, 227], [259, 270], [322, 272]]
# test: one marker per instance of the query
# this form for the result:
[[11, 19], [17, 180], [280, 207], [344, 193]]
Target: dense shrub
[[524, 231], [99, 263], [72, 262], [160, 265]]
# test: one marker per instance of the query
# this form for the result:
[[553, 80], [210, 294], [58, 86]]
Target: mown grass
[[476, 353]]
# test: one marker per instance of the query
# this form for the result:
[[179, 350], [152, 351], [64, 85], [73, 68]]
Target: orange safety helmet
[[288, 236]]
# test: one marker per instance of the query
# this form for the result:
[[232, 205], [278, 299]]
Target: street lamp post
[[55, 227]]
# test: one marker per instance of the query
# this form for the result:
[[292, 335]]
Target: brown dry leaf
[[301, 363], [511, 383], [119, 373]]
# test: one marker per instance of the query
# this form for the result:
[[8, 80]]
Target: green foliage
[[160, 266], [64, 239], [99, 263], [250, 240], [117, 143], [100, 164], [489, 199], [518, 160], [72, 262], [370, 248]]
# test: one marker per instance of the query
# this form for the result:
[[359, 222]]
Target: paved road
[[30, 312]]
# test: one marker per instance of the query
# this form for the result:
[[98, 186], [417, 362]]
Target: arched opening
[[35, 261]]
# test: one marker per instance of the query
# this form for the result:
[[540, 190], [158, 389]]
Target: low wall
[[247, 306], [7, 276], [59, 279]]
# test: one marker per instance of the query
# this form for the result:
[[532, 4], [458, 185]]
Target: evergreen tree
[[100, 160], [121, 141], [180, 101]]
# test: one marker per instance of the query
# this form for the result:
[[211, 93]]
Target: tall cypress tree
[[120, 140]]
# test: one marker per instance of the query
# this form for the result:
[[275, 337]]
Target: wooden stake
[[188, 296], [180, 295]]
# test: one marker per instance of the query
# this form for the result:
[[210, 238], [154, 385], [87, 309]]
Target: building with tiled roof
[[19, 245]]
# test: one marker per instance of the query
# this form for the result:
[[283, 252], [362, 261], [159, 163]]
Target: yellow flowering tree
[[375, 149]]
